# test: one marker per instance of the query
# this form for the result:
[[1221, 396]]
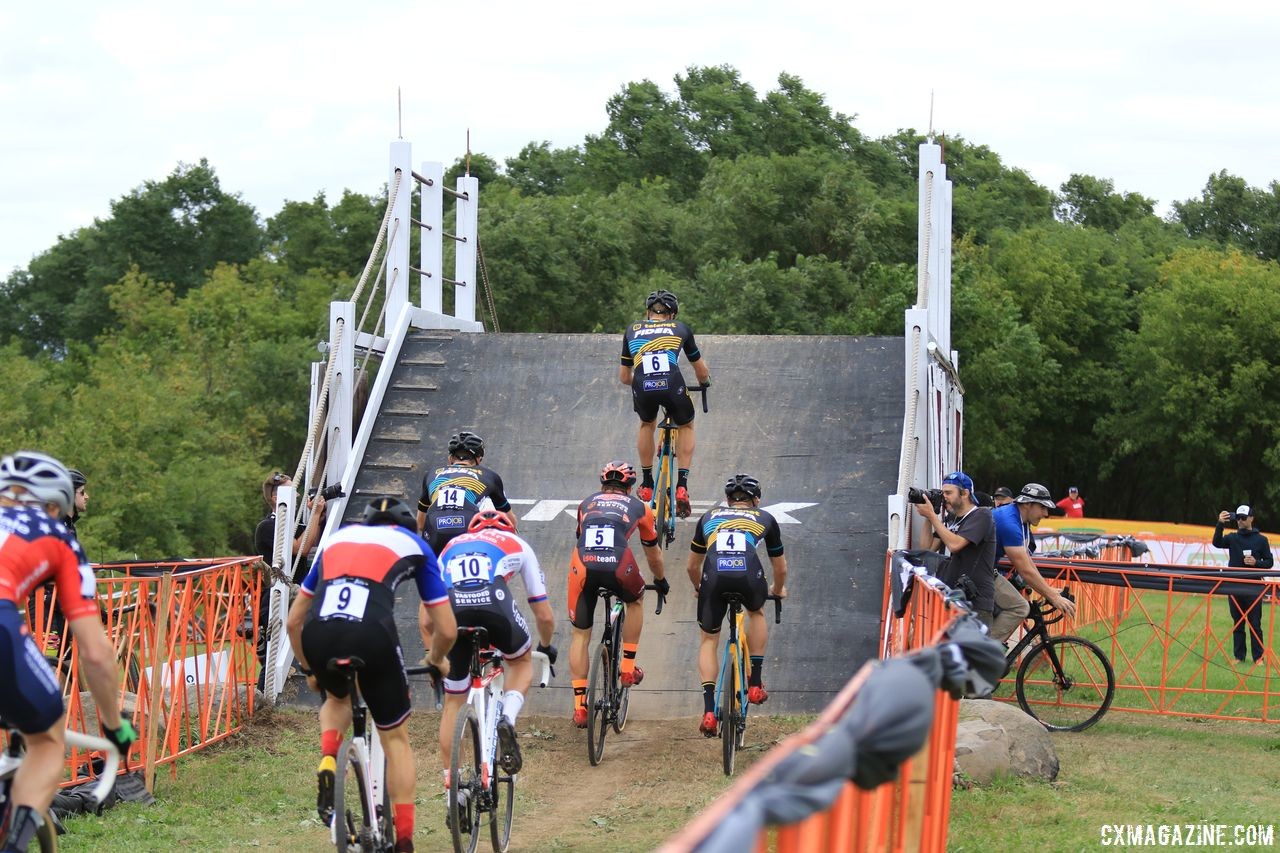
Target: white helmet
[[43, 479]]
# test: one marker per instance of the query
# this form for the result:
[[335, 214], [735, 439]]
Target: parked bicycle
[[607, 700], [666, 470], [14, 754], [731, 685], [479, 791], [1065, 682]]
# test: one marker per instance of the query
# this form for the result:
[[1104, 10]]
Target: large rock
[[997, 738]]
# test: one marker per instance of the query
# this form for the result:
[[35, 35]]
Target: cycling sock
[[24, 825], [579, 693], [757, 661], [512, 702], [708, 696], [682, 477], [330, 739], [646, 476], [629, 656], [403, 819]]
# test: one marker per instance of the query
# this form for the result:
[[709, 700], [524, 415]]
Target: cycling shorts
[[31, 700], [382, 681], [488, 606], [585, 584], [750, 584], [647, 402]]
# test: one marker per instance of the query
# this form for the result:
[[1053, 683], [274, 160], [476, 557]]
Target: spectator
[[1002, 495], [1248, 549], [1014, 540], [1072, 504]]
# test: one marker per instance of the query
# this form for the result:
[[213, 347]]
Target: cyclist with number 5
[[35, 492], [603, 558], [650, 352], [346, 608], [723, 559], [476, 567]]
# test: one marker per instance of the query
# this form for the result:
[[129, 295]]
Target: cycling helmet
[[618, 473], [389, 511], [466, 443], [742, 484], [490, 518], [666, 299], [42, 479], [77, 479]]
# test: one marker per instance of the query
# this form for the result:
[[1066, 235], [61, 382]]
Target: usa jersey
[[35, 548], [729, 537], [480, 558], [356, 572]]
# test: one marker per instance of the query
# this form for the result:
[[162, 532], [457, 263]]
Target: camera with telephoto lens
[[333, 491], [920, 496]]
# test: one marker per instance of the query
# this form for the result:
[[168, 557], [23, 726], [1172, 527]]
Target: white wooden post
[[342, 321], [399, 231], [431, 207], [468, 232]]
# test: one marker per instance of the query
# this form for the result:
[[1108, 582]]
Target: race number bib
[[451, 497], [469, 568], [344, 600], [599, 537], [656, 362], [731, 541]]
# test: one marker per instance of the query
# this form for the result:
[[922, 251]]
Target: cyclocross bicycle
[[362, 817], [607, 700], [1065, 682], [15, 752], [731, 685], [479, 791], [666, 474]]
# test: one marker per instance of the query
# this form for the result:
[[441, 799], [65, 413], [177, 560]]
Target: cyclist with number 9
[[723, 559], [650, 352], [346, 608], [603, 558], [35, 492]]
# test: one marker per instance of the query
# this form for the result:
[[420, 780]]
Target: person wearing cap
[[1002, 495], [1247, 549], [970, 538], [1072, 504], [1013, 524]]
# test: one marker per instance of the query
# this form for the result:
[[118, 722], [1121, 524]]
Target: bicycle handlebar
[[777, 607], [541, 668], [662, 599], [437, 680], [111, 762], [702, 389]]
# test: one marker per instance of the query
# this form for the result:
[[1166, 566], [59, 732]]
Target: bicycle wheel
[[664, 495], [598, 702], [352, 829], [729, 710], [46, 840], [503, 800], [622, 694], [466, 782], [1066, 683]]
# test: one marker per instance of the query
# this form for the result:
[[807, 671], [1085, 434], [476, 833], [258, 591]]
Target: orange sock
[[329, 742], [403, 820], [629, 656], [579, 693]]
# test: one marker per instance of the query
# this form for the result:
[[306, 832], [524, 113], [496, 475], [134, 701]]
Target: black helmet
[[618, 473], [389, 511], [77, 479], [666, 299], [742, 484], [466, 444]]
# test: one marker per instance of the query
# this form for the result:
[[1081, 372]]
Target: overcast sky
[[287, 99]]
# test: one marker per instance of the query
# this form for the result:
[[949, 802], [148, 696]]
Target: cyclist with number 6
[[346, 608], [603, 558], [723, 559], [35, 492], [476, 567], [650, 355]]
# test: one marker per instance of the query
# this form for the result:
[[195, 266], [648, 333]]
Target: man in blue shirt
[[1013, 540]]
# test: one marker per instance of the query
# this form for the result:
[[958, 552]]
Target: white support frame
[[431, 237], [467, 216]]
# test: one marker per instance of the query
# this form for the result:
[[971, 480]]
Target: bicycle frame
[[737, 655]]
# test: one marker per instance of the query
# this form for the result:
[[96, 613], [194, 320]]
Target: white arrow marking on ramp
[[780, 511], [546, 510]]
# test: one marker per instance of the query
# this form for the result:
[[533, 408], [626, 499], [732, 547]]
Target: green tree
[[1094, 203]]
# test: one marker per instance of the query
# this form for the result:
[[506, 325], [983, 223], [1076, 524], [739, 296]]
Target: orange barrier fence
[[909, 813], [184, 635]]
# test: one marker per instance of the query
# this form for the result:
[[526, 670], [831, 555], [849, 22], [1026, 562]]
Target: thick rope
[[484, 282]]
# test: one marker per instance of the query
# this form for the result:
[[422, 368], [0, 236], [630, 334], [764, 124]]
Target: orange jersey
[[35, 548]]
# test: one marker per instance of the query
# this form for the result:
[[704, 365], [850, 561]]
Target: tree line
[[164, 349]]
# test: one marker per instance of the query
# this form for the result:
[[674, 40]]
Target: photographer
[[1248, 549], [970, 539]]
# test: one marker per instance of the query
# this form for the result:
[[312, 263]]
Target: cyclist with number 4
[[603, 558], [346, 608], [723, 559], [476, 567], [35, 492], [650, 354]]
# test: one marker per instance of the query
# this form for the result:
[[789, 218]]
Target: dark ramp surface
[[817, 419]]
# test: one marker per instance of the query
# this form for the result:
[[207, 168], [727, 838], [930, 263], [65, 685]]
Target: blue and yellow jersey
[[738, 530], [654, 346]]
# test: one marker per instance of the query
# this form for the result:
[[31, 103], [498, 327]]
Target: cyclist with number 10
[[650, 355], [723, 559], [346, 609], [603, 558]]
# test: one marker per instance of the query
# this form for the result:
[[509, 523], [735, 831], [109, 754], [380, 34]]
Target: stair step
[[425, 359], [415, 384]]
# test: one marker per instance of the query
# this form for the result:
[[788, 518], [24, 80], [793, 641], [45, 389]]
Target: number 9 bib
[[344, 600]]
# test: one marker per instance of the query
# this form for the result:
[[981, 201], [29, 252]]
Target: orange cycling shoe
[[682, 502], [757, 695], [580, 717], [631, 679], [708, 724], [645, 493]]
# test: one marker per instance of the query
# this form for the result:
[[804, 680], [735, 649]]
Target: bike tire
[[729, 698], [598, 705], [622, 694], [664, 501], [352, 829], [502, 797], [466, 782], [1062, 669]]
